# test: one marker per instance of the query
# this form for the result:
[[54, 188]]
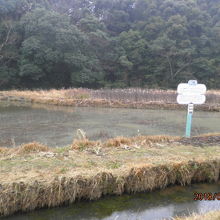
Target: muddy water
[[56, 126], [158, 205]]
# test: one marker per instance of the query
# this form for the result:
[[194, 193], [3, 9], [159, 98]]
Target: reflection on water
[[56, 125], [164, 204]]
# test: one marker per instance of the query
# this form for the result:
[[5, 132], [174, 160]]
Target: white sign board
[[186, 99], [185, 88], [189, 94]]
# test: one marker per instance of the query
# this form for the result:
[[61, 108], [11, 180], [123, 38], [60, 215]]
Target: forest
[[108, 43]]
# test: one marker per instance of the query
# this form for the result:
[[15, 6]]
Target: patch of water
[[56, 126]]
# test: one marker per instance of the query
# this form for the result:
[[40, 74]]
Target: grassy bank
[[34, 176], [214, 215], [117, 98]]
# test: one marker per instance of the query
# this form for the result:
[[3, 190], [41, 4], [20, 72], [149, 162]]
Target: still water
[[56, 126], [158, 205]]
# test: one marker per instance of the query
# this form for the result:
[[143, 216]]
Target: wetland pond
[[162, 204], [57, 125]]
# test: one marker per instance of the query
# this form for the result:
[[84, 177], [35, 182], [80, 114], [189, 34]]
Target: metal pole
[[189, 120]]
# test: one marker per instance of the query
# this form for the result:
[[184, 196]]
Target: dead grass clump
[[148, 178], [31, 148], [3, 150], [141, 179], [213, 215], [194, 172], [184, 173], [84, 144], [155, 139], [117, 142], [206, 171], [22, 196], [106, 183]]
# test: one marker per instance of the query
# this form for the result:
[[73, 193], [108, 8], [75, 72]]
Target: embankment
[[35, 176]]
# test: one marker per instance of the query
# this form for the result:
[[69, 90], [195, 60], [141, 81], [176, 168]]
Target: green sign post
[[189, 120]]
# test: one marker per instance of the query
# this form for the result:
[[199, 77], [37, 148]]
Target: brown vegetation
[[123, 141], [116, 98], [32, 148], [3, 150], [214, 215], [83, 144], [35, 176]]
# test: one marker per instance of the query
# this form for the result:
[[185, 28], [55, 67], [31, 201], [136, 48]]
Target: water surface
[[56, 126]]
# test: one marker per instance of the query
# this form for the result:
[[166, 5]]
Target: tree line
[[109, 43]]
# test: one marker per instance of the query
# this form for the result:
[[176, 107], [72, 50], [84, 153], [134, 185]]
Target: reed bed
[[117, 98], [35, 176]]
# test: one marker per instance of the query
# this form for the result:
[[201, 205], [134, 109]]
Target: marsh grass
[[39, 176], [127, 98], [135, 95]]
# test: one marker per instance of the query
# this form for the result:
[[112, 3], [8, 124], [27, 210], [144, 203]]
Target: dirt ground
[[207, 140]]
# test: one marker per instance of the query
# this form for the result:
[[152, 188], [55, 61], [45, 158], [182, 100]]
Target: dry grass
[[214, 215], [84, 144], [118, 141], [53, 191], [146, 140], [34, 176], [31, 148], [3, 150], [117, 98], [24, 149]]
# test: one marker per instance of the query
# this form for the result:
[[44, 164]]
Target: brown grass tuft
[[83, 144], [31, 148], [3, 150], [117, 142]]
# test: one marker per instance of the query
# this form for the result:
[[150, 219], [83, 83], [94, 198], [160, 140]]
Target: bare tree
[[7, 37]]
